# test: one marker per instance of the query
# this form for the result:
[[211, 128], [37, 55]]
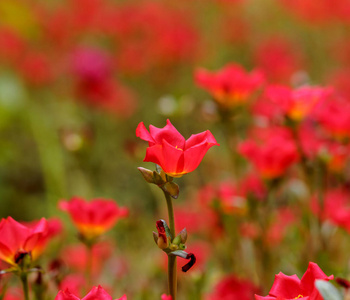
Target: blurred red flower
[[278, 58], [149, 37], [274, 155], [95, 217], [334, 117], [280, 101], [336, 207], [54, 227], [95, 83], [291, 287], [169, 149], [230, 86], [77, 256], [233, 288], [17, 238], [95, 293]]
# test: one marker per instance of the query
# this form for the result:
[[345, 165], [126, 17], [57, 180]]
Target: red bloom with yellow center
[[95, 217], [17, 239], [171, 151], [230, 86], [96, 293], [275, 153], [291, 287]]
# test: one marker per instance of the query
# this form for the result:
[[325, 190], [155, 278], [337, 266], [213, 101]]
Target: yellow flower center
[[299, 296]]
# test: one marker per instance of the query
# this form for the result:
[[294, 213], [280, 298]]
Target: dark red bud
[[161, 231], [20, 255], [190, 264], [343, 282]]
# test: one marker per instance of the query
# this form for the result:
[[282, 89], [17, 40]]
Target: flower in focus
[[274, 156], [230, 86], [97, 293], [291, 287], [95, 217], [233, 288], [169, 149], [18, 239]]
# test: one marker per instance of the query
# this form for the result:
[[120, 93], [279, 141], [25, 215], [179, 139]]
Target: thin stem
[[89, 266], [24, 279], [172, 277]]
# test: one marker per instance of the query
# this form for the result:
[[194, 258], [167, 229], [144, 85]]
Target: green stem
[[24, 279], [172, 277]]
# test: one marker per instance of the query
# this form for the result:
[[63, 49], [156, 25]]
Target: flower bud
[[147, 174], [158, 180], [162, 240], [173, 247], [172, 189]]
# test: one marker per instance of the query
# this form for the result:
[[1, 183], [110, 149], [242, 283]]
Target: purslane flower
[[96, 293], [171, 151], [231, 86], [93, 218], [18, 239], [291, 287]]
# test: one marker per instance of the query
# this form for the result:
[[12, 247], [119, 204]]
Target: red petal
[[143, 133], [97, 293], [173, 159], [168, 133], [66, 295], [194, 155], [199, 138], [286, 286], [312, 273]]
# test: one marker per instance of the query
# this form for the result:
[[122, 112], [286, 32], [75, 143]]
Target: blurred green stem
[[50, 153], [172, 277], [24, 279]]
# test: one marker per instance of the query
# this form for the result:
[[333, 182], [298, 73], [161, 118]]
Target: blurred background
[[77, 77]]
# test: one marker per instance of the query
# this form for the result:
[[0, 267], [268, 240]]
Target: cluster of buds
[[163, 180], [173, 246]]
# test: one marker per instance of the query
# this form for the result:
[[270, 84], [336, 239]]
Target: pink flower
[[169, 149], [95, 217], [291, 287], [96, 293]]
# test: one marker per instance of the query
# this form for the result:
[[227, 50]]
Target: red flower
[[166, 297], [169, 149], [230, 86], [54, 228], [291, 287], [95, 217], [233, 288], [95, 293], [17, 238], [274, 156]]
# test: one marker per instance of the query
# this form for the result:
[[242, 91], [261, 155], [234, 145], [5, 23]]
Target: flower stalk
[[172, 272]]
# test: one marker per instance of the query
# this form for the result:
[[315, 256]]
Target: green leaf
[[327, 290]]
